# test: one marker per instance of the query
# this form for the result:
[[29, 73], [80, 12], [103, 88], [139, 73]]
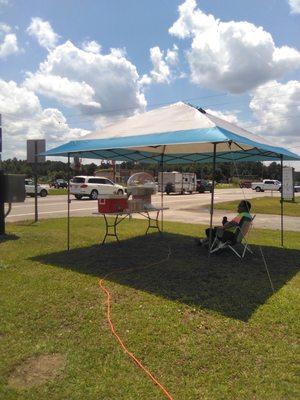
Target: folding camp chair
[[240, 234]]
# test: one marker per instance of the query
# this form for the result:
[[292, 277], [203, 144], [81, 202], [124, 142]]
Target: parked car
[[266, 184], [203, 186], [29, 189], [246, 184], [92, 186], [297, 187], [58, 183]]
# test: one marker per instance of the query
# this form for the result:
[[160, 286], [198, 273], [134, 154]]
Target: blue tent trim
[[121, 148]]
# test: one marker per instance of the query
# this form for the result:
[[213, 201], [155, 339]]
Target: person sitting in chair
[[227, 231]]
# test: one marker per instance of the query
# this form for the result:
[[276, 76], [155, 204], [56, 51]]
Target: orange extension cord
[[113, 330]]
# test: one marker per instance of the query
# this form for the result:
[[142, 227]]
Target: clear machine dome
[[141, 179]]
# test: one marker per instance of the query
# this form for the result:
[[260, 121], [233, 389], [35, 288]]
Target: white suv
[[92, 186], [29, 189]]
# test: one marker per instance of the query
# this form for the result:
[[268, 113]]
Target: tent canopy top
[[181, 132]]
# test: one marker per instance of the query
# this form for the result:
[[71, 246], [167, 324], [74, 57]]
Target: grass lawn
[[264, 205], [227, 185], [206, 331], [53, 192]]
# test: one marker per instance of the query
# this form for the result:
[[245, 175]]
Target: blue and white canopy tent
[[181, 132], [177, 133]]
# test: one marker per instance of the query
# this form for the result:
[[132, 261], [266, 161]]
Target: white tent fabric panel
[[174, 117], [221, 123]]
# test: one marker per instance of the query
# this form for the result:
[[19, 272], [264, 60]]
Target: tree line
[[51, 170]]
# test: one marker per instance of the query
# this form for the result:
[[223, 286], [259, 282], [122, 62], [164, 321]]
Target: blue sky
[[60, 79]]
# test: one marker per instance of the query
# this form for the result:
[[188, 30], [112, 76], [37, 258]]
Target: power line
[[119, 110], [170, 102], [206, 106]]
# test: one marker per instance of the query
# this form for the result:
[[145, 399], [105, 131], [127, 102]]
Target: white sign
[[35, 147], [288, 183]]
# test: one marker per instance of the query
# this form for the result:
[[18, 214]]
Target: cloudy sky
[[69, 67]]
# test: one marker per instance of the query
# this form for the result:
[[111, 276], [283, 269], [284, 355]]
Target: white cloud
[[68, 93], [229, 116], [145, 80], [161, 66], [276, 108], [172, 55], [295, 6], [109, 80], [232, 56], [117, 52], [44, 33], [91, 46], [8, 41], [4, 27], [24, 118], [161, 71], [9, 45]]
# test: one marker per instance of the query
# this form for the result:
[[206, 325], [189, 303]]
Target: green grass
[[53, 192], [207, 331], [227, 185], [264, 205]]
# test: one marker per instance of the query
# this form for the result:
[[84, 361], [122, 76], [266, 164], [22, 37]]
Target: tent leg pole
[[69, 201], [162, 189], [212, 199], [281, 200]]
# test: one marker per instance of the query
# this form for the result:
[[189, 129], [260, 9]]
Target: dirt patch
[[37, 370]]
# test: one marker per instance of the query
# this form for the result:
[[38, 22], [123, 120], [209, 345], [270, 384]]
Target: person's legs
[[227, 236], [205, 241], [213, 232]]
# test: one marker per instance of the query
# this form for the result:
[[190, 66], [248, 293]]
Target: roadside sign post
[[2, 214], [35, 147]]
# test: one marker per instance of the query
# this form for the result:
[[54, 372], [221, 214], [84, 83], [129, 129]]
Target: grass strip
[[264, 205]]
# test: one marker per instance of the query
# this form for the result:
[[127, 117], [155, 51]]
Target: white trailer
[[177, 182]]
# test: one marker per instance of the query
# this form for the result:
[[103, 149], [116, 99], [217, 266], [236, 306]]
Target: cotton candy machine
[[141, 186]]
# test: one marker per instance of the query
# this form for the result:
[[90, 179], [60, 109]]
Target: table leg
[[153, 222], [115, 228], [106, 229], [108, 226]]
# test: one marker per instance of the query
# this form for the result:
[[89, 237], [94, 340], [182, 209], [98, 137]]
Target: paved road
[[185, 208]]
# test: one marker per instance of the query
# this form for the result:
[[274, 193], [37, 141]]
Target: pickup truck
[[266, 184]]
